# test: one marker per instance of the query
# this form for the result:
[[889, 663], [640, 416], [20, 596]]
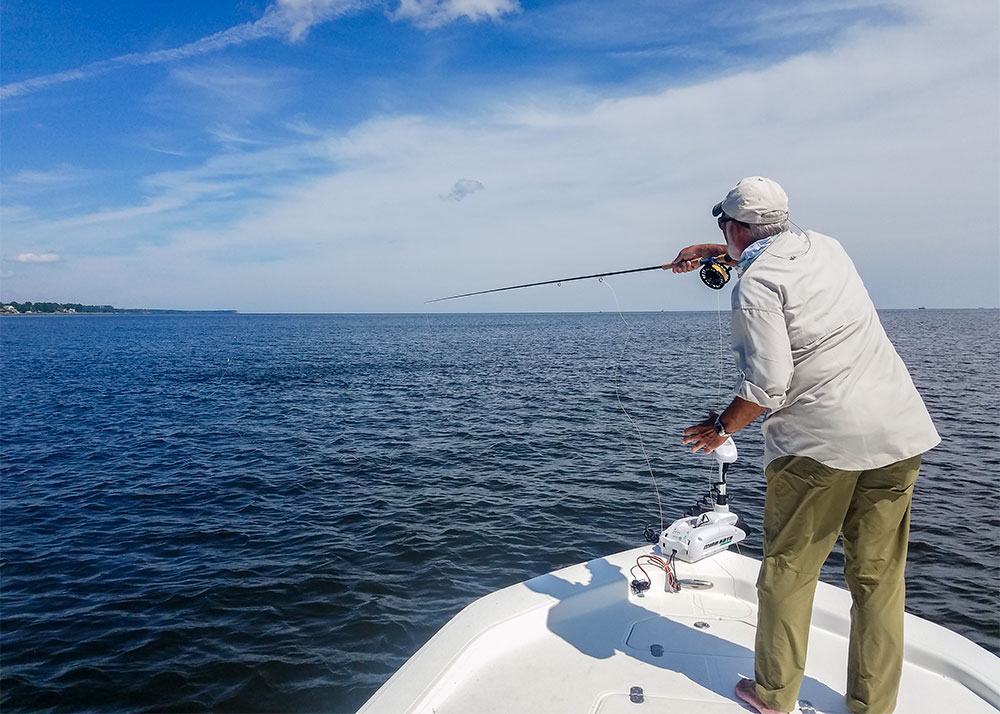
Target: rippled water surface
[[271, 513]]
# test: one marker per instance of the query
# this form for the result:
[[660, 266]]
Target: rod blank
[[665, 266]]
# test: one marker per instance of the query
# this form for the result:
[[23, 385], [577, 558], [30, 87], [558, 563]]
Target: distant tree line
[[52, 307]]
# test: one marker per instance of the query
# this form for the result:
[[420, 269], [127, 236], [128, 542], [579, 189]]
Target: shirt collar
[[752, 252]]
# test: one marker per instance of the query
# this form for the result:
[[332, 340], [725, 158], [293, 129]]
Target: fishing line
[[618, 396], [718, 390], [722, 348]]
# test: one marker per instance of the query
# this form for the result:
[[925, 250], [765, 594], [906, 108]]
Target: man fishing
[[844, 432]]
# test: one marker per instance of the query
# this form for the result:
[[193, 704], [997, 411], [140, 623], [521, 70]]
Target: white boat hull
[[578, 640]]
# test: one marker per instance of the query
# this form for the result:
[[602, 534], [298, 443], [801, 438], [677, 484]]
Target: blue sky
[[343, 156]]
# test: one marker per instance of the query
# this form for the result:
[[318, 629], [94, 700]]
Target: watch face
[[719, 429]]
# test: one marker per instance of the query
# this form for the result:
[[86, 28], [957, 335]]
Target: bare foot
[[746, 690]]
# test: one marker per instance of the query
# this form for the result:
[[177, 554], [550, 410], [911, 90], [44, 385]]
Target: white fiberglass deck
[[578, 640]]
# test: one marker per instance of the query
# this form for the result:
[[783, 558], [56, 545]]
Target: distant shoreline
[[15, 308], [122, 312]]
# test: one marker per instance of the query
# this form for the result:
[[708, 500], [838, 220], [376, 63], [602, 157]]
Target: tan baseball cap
[[755, 199]]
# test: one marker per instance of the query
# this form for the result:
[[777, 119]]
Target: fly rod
[[713, 273]]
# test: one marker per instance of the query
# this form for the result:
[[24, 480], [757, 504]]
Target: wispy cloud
[[29, 183], [587, 23], [288, 19], [230, 89], [233, 36], [149, 208], [223, 99], [60, 175], [35, 258], [175, 196]]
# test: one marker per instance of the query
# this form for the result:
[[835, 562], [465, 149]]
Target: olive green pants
[[806, 507]]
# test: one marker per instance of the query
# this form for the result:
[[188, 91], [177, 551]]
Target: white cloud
[[434, 13], [294, 18], [35, 258], [462, 188]]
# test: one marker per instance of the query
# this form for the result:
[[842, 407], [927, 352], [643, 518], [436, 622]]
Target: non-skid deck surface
[[578, 640]]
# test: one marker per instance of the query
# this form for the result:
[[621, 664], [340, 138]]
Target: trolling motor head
[[714, 274], [727, 453], [696, 537]]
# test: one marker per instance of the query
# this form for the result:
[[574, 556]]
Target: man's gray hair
[[763, 230]]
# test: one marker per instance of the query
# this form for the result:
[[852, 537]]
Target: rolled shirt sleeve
[[763, 356]]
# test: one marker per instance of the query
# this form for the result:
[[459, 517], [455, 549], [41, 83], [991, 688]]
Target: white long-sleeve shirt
[[812, 350]]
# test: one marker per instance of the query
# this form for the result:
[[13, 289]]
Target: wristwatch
[[720, 429]]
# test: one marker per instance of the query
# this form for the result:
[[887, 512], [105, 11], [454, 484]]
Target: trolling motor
[[699, 536]]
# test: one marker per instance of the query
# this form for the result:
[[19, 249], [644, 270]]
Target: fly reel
[[714, 274]]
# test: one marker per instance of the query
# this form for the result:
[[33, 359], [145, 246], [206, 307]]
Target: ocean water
[[271, 513]]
